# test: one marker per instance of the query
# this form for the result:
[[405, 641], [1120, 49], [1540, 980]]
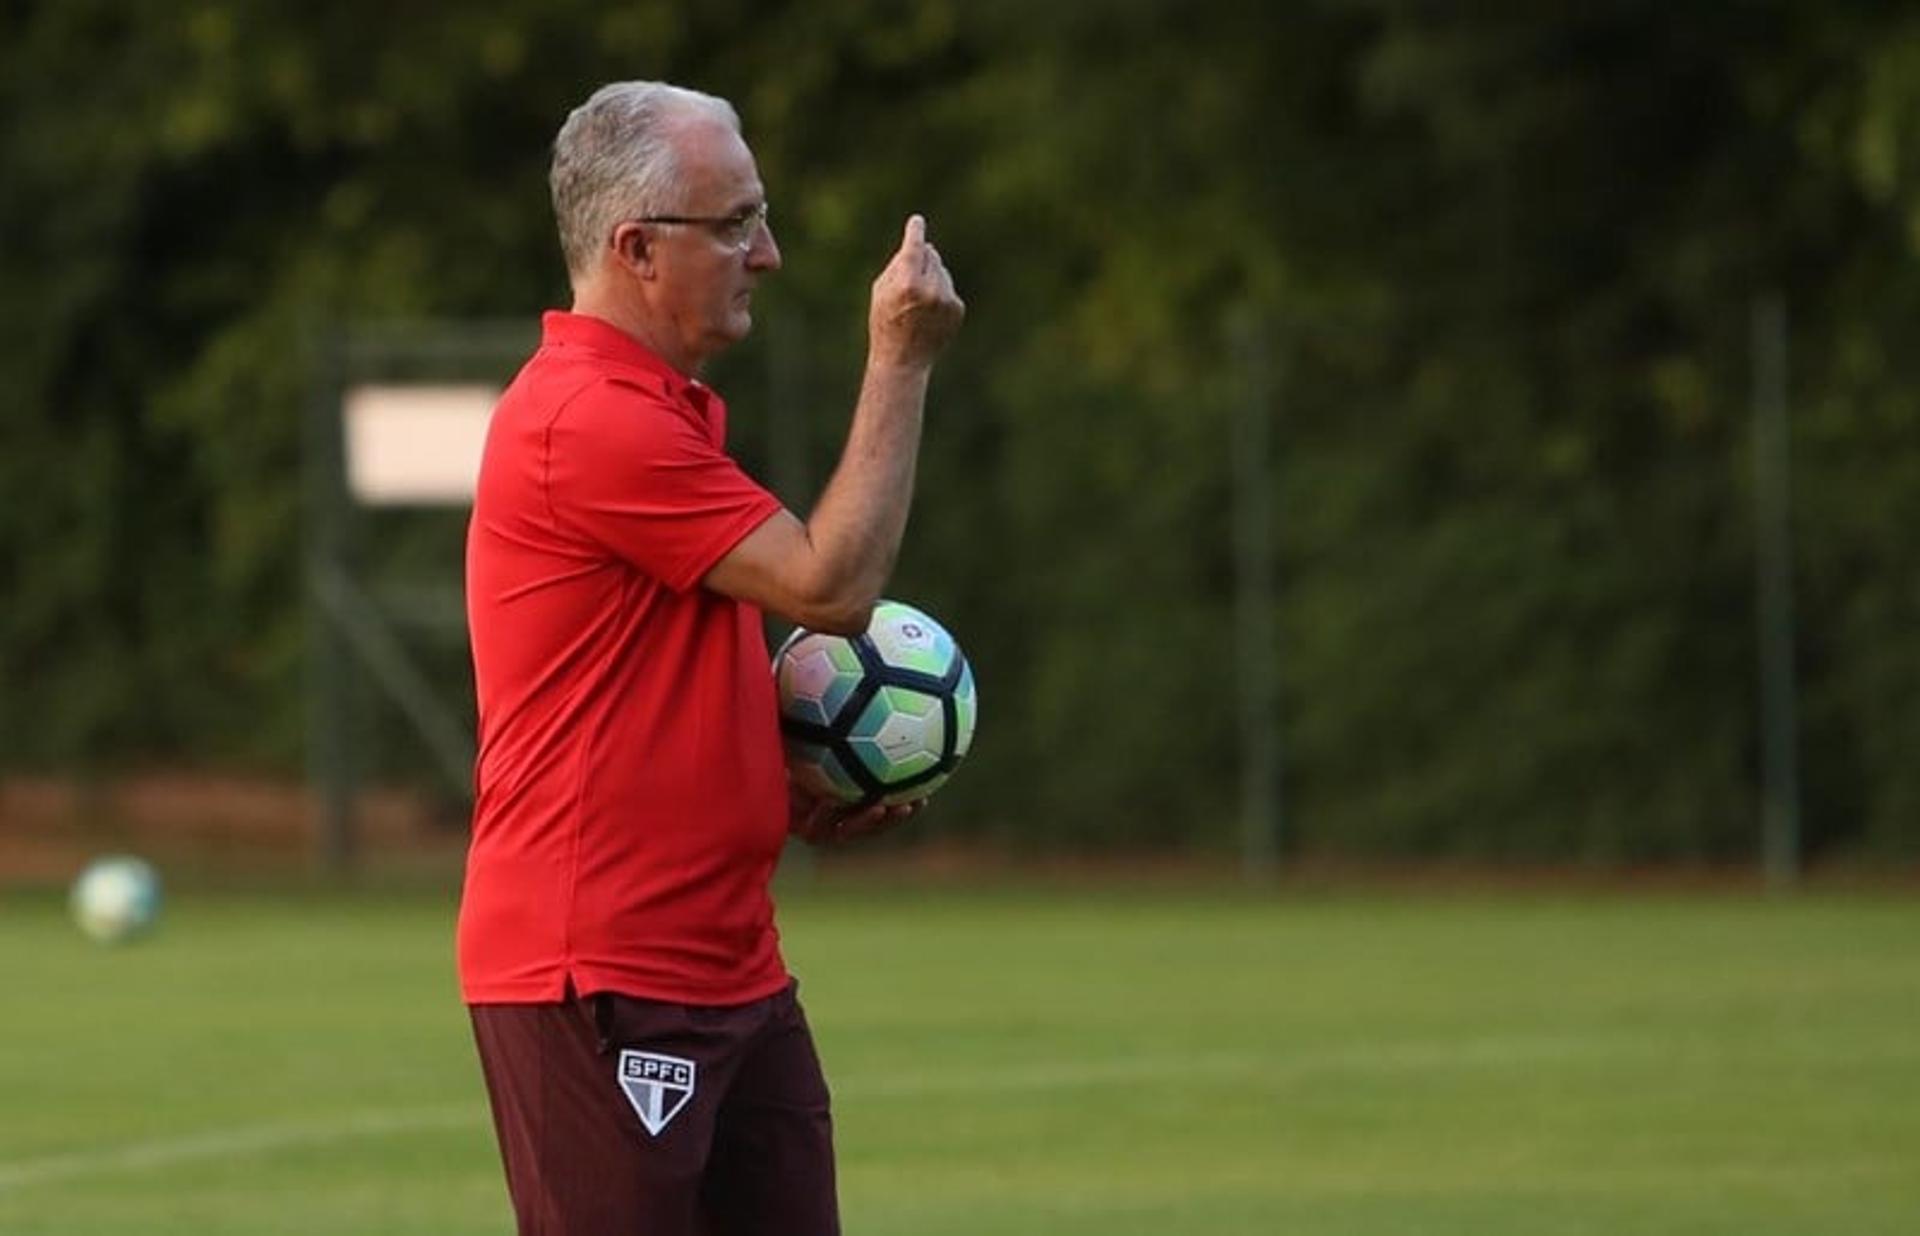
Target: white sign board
[[416, 445]]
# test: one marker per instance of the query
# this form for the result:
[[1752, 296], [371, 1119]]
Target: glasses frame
[[747, 221]]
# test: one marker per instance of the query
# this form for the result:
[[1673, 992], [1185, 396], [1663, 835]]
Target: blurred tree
[[1509, 255]]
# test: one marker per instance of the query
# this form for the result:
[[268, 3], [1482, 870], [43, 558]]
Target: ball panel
[[907, 639], [965, 710], [899, 734], [817, 676], [819, 771]]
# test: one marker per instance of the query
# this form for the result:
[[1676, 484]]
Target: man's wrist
[[896, 368]]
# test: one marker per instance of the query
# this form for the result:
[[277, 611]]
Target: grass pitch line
[[244, 1140], [262, 1139]]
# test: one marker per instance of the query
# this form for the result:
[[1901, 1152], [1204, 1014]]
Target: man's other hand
[[819, 821]]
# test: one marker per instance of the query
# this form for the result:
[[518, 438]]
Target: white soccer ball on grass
[[116, 899]]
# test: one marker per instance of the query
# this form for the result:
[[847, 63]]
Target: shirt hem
[[554, 990]]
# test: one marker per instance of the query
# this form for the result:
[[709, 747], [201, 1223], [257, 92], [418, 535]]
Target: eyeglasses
[[735, 231]]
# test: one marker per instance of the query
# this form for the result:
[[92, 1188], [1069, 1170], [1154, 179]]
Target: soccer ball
[[116, 899], [879, 717]]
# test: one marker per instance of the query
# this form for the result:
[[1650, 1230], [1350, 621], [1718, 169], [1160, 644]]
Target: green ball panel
[[900, 733]]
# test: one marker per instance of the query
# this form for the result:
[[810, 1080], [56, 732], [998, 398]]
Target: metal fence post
[[1773, 568], [1256, 654], [330, 667]]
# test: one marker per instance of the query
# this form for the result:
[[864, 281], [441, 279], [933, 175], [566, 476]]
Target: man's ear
[[632, 245]]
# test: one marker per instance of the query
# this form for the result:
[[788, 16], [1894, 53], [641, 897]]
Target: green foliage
[[1505, 261]]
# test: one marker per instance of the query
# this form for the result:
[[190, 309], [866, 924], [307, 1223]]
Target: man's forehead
[[715, 161]]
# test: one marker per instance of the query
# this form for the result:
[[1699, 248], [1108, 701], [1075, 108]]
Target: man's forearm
[[857, 526]]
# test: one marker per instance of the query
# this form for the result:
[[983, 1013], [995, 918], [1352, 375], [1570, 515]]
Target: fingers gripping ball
[[884, 716]]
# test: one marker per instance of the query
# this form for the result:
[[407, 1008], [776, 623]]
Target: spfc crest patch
[[657, 1086]]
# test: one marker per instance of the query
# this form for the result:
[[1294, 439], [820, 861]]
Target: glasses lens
[[738, 231]]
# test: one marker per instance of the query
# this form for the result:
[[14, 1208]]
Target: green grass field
[[1054, 1063]]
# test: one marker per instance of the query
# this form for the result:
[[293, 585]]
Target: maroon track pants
[[625, 1117]]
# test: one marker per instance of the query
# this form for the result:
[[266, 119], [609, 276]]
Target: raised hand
[[915, 311]]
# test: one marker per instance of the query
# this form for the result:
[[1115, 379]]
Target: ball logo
[[657, 1086], [913, 631]]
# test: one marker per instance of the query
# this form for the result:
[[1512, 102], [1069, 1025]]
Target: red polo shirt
[[632, 796]]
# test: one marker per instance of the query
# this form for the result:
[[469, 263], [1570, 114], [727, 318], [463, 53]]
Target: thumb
[[916, 233]]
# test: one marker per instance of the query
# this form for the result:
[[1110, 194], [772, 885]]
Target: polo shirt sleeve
[[640, 475]]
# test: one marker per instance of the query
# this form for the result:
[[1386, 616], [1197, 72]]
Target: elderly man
[[649, 1067]]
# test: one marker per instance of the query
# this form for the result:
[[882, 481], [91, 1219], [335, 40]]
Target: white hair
[[614, 159]]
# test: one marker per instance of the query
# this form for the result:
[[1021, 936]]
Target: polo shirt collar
[[579, 330]]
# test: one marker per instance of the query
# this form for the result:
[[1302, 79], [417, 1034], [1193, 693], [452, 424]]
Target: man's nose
[[764, 252]]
